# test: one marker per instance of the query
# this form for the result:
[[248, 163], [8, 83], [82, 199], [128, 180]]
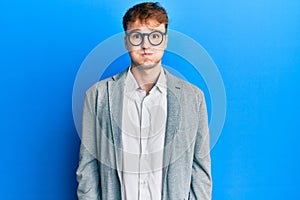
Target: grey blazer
[[187, 165]]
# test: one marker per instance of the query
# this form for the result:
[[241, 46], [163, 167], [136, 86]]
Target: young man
[[145, 132]]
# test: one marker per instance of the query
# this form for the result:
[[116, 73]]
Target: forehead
[[150, 24]]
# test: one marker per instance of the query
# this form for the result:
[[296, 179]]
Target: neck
[[146, 77]]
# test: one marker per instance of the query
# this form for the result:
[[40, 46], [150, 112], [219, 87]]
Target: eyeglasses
[[155, 38]]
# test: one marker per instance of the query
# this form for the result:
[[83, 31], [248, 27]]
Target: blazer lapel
[[173, 119], [115, 95]]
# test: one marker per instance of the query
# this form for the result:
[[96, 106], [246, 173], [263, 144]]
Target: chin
[[147, 65]]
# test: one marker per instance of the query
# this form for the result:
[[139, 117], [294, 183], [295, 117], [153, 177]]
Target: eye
[[135, 35], [155, 35]]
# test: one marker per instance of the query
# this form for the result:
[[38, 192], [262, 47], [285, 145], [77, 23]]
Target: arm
[[87, 172], [201, 182]]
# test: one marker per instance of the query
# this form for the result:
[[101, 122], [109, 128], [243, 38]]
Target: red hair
[[145, 11]]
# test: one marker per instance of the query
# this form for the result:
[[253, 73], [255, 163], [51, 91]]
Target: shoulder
[[101, 87], [98, 88], [188, 89]]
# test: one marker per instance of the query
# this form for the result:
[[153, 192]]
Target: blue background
[[255, 44]]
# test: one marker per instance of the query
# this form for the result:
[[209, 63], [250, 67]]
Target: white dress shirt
[[143, 135]]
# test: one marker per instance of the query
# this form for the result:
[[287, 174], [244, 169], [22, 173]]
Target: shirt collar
[[161, 83], [130, 82]]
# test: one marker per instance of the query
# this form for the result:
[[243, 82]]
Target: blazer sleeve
[[87, 173], [201, 181]]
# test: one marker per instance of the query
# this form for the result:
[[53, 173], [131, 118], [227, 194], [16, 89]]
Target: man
[[145, 132]]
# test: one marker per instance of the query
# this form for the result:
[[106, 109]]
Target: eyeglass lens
[[155, 38]]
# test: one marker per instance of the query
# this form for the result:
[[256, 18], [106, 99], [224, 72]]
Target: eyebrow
[[137, 29]]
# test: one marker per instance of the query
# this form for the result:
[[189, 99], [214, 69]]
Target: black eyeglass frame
[[128, 34]]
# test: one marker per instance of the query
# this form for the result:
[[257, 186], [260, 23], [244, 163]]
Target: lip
[[147, 54]]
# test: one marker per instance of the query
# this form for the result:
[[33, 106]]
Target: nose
[[145, 44]]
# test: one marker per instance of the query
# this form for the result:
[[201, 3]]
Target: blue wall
[[255, 44]]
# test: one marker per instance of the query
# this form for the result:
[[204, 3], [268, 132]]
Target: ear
[[126, 43], [166, 41]]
